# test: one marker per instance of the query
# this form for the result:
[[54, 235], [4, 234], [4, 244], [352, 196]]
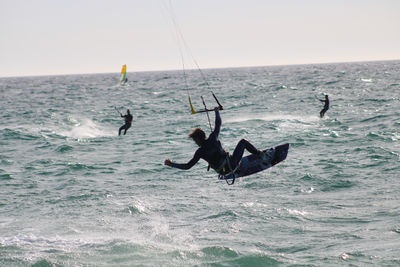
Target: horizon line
[[206, 68]]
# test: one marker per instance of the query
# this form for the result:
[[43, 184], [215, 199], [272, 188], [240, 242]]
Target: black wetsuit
[[127, 125], [211, 151], [326, 107]]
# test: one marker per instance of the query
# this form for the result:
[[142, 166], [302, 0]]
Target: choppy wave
[[74, 193]]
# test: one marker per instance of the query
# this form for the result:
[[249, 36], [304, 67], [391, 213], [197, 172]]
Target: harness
[[225, 168]]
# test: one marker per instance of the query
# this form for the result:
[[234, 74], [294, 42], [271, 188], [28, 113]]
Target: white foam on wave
[[275, 117], [296, 212], [85, 128]]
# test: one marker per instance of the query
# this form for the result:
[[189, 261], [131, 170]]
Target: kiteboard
[[252, 164]]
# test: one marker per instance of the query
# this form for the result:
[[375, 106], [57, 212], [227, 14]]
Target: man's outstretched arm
[[183, 166]]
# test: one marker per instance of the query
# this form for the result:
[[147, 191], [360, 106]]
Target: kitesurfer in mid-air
[[210, 149], [326, 106], [128, 122]]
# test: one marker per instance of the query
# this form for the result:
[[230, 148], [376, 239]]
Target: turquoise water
[[73, 193]]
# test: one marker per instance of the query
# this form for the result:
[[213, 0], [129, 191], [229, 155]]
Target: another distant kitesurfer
[[211, 150], [326, 106], [128, 122]]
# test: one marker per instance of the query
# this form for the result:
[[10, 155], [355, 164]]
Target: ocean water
[[74, 193]]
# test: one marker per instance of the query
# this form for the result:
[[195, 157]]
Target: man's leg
[[322, 113], [120, 129], [239, 150], [127, 126]]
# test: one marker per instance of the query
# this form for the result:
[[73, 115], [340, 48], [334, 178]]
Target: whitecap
[[84, 128], [274, 117]]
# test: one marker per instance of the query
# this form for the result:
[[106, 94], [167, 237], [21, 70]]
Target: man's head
[[127, 111], [198, 136]]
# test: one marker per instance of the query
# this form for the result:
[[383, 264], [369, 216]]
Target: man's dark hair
[[198, 134]]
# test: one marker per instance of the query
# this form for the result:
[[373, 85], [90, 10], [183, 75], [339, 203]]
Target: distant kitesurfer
[[128, 122], [326, 106], [210, 149]]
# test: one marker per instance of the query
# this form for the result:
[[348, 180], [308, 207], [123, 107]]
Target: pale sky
[[46, 37]]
